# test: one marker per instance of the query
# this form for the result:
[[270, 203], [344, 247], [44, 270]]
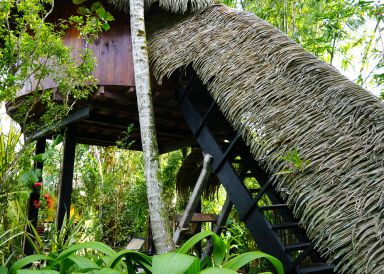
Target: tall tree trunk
[[159, 219]]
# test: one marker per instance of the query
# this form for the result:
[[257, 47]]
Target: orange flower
[[38, 184]]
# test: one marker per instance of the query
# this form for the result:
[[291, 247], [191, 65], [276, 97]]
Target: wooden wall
[[112, 49]]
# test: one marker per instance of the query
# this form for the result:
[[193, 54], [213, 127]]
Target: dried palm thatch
[[176, 6], [283, 99]]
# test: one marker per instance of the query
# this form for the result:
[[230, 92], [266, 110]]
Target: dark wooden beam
[[65, 188], [177, 144], [108, 124], [33, 212], [161, 114], [69, 120]]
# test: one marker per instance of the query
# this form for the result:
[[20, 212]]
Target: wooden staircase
[[273, 227]]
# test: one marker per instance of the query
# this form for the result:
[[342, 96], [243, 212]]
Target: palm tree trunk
[[159, 219]]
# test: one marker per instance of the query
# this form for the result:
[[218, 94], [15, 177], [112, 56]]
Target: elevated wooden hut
[[246, 93]]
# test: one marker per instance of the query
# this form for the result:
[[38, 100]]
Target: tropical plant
[[96, 257], [180, 262]]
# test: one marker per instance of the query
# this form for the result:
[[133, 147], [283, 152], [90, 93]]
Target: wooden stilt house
[[243, 92]]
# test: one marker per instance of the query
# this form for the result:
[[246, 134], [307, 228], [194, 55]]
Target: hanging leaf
[[57, 140], [41, 157]]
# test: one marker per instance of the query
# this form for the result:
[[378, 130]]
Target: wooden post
[[33, 212], [65, 188]]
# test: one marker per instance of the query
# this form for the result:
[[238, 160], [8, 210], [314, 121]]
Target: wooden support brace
[[79, 115], [227, 151], [181, 96], [194, 199], [204, 119], [256, 200]]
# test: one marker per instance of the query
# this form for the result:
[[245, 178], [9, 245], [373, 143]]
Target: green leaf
[[33, 271], [108, 271], [243, 259], [219, 247], [3, 270], [29, 177], [96, 5], [106, 26], [141, 259], [57, 140], [26, 261], [41, 157], [218, 270], [83, 262], [92, 245], [84, 11], [78, 2], [175, 263]]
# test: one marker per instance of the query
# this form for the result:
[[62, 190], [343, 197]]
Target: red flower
[[48, 198], [36, 203], [38, 184]]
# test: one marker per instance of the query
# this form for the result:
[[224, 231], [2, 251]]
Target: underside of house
[[233, 86]]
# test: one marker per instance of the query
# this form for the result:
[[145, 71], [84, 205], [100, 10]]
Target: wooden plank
[[199, 217], [194, 199]]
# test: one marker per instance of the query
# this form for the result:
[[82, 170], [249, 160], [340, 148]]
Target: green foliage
[[294, 162], [100, 17], [111, 192], [169, 165], [13, 195], [32, 54], [125, 141], [179, 262], [96, 257]]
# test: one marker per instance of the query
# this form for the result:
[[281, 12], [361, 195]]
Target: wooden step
[[274, 207], [299, 246], [319, 269], [199, 217], [289, 225]]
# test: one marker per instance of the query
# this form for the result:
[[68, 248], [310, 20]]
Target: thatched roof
[[284, 99], [176, 6]]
